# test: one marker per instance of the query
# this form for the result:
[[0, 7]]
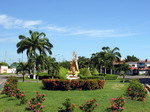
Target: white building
[[5, 69]]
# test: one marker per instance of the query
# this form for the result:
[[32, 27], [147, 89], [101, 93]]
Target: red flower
[[122, 98], [129, 88], [42, 106], [39, 103], [96, 104], [22, 94], [44, 94]]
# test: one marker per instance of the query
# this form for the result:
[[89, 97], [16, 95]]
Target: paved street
[[143, 79]]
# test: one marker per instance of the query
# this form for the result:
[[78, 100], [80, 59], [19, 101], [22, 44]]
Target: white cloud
[[55, 28], [31, 23], [8, 39], [101, 33], [12, 22]]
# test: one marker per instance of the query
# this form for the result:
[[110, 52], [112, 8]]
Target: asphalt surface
[[143, 79]]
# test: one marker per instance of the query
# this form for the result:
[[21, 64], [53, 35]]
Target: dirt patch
[[117, 86]]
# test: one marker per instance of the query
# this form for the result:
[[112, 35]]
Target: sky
[[84, 26]]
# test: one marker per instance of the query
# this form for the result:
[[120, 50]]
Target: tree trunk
[[110, 71], [34, 70], [23, 76], [105, 70], [123, 78]]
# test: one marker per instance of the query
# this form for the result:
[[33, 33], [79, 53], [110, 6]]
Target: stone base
[[71, 77]]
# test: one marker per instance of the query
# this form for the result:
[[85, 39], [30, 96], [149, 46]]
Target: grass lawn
[[54, 99]]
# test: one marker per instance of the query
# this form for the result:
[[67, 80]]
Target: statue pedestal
[[71, 77]]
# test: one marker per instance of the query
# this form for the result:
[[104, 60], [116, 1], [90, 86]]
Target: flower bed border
[[60, 84]]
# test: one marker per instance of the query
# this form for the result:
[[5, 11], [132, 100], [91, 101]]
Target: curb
[[1, 85]]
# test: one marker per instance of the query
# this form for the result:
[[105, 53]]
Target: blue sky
[[82, 25]]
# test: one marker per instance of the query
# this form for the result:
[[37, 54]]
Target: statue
[[74, 69]]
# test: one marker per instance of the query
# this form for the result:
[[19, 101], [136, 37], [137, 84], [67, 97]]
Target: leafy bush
[[68, 106], [126, 80], [20, 95], [89, 106], [117, 104], [107, 77], [35, 103], [136, 91], [42, 74], [12, 79], [62, 72], [92, 77], [95, 72], [85, 72], [10, 86], [111, 77], [59, 84]]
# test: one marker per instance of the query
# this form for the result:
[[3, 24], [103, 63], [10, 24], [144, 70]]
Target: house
[[137, 68], [140, 67], [5, 69]]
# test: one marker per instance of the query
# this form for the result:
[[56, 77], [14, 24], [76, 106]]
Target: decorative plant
[[89, 106], [117, 104], [68, 106], [35, 103], [136, 91], [10, 86]]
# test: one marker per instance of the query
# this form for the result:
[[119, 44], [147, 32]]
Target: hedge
[[111, 77], [60, 84], [92, 77], [107, 77]]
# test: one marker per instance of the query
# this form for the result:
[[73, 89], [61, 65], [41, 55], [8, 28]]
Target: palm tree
[[34, 45], [97, 61], [23, 68], [52, 66], [83, 62], [123, 68], [111, 55]]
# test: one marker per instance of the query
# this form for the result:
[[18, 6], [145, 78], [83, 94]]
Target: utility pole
[[5, 56]]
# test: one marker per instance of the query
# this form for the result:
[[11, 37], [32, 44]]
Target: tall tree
[[52, 66], [123, 68], [4, 64], [23, 68], [111, 55], [83, 62], [65, 64], [131, 58], [34, 45], [97, 61]]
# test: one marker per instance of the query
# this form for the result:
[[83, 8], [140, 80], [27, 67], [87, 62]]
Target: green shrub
[[63, 72], [42, 74], [111, 77], [85, 72], [60, 84], [68, 106], [91, 77], [35, 104], [126, 80], [89, 106], [12, 79], [117, 104], [107, 77], [82, 70], [95, 72], [136, 91], [10, 86]]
